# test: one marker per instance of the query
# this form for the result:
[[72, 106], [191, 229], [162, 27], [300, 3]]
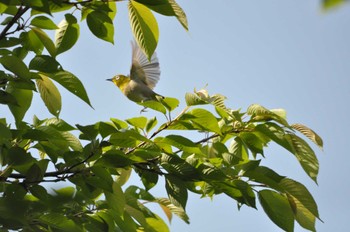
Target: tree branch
[[20, 12]]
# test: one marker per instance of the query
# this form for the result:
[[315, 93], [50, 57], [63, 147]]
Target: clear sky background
[[280, 54]]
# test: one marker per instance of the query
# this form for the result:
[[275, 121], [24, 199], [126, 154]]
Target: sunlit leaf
[[43, 22], [32, 42], [138, 122], [203, 119], [154, 105], [300, 192], [260, 113], [45, 40], [181, 142], [302, 215], [305, 155], [67, 34], [309, 133], [50, 95], [151, 123], [170, 103], [144, 27]]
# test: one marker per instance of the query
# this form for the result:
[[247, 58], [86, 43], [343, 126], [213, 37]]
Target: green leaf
[[90, 132], [39, 192], [144, 27], [20, 52], [179, 13], [193, 99], [211, 173], [305, 155], [67, 34], [238, 150], [59, 221], [179, 167], [168, 8], [59, 124], [260, 113], [19, 159], [41, 6], [154, 105], [101, 25], [106, 128], [50, 95], [265, 176], [253, 142], [149, 179], [138, 122], [59, 6], [329, 4], [34, 174], [24, 100], [43, 22], [300, 192], [155, 223], [16, 66], [116, 199], [45, 40], [66, 193], [275, 133], [31, 42], [119, 123], [170, 103], [177, 191], [127, 138], [7, 98], [238, 190], [44, 63], [181, 142], [202, 119], [309, 133], [9, 42], [114, 159], [151, 123], [277, 208], [72, 84], [302, 215], [169, 208], [124, 175]]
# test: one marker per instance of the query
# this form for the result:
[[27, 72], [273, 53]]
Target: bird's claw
[[143, 110]]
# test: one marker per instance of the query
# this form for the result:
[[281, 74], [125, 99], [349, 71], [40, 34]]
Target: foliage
[[99, 161]]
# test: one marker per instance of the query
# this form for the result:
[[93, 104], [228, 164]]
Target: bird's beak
[[110, 79]]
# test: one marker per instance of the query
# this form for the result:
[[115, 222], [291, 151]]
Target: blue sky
[[280, 54]]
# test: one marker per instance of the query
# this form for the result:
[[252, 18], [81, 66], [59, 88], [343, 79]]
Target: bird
[[144, 75]]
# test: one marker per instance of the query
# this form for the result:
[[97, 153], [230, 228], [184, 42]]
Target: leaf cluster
[[98, 159]]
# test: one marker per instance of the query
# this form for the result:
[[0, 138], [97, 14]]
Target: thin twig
[[20, 12]]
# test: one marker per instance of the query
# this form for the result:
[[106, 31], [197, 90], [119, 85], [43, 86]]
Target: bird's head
[[120, 80]]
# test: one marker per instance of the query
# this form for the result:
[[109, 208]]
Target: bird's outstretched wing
[[142, 69]]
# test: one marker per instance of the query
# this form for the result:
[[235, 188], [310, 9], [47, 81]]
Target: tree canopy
[[97, 159]]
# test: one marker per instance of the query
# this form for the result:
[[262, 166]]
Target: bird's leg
[[143, 110]]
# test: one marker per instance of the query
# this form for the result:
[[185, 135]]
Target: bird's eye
[[117, 77]]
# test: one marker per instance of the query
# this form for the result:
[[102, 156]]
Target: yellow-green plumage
[[144, 75]]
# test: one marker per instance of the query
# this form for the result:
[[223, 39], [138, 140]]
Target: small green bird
[[144, 75]]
